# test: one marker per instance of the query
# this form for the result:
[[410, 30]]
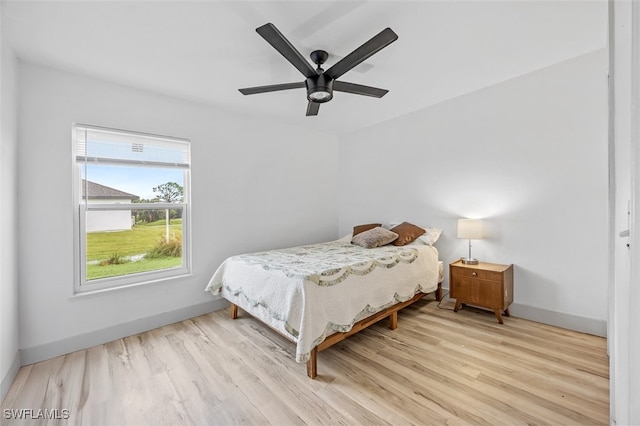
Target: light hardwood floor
[[438, 367]]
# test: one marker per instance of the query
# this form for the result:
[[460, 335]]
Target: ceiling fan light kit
[[319, 87], [320, 84]]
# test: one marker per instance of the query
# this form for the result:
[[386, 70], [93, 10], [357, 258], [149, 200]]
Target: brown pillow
[[374, 237], [361, 228], [407, 232]]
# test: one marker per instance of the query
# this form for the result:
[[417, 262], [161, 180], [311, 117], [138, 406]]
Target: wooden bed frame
[[391, 312]]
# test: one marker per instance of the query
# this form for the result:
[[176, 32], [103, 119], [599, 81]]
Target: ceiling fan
[[320, 84]]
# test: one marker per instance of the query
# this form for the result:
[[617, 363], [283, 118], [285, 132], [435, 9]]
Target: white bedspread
[[309, 292]]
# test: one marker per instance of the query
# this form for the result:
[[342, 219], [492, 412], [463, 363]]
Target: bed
[[319, 294]]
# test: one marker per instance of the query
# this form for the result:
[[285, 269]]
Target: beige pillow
[[407, 232], [358, 229], [374, 237]]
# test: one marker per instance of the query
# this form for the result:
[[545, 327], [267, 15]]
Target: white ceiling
[[204, 51]]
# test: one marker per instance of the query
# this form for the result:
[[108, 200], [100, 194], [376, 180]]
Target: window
[[132, 207]]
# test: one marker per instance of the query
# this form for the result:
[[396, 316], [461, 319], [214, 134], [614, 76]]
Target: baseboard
[[62, 347], [118, 331], [559, 319], [8, 379]]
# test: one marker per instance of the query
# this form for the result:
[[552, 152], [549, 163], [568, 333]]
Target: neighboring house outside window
[[102, 221], [132, 207]]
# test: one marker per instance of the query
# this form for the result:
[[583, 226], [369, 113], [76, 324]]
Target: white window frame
[[81, 284]]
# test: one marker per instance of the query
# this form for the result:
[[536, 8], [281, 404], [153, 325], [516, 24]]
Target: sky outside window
[[138, 181]]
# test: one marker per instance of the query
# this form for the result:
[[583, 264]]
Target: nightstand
[[487, 285]]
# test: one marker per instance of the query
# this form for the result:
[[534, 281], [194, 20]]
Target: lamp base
[[469, 261]]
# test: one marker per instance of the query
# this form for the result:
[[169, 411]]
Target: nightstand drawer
[[480, 274]]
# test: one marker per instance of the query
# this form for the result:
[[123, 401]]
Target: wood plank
[[436, 368]]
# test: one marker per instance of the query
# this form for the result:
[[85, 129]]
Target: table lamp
[[471, 229]]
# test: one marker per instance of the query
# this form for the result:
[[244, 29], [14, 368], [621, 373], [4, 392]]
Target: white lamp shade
[[470, 229]]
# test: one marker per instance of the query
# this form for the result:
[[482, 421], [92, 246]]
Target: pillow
[[346, 238], [430, 236], [374, 237], [361, 228], [407, 232]]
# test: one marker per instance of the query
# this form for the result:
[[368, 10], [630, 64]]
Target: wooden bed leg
[[234, 311], [312, 364], [439, 292], [393, 320]]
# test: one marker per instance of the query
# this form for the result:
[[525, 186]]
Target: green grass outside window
[[102, 246]]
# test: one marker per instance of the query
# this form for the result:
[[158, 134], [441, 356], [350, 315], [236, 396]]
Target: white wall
[[9, 354], [255, 185], [530, 156]]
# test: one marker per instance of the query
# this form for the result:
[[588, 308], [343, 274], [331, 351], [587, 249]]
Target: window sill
[[153, 278]]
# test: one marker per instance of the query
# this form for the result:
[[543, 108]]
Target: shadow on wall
[[529, 285]]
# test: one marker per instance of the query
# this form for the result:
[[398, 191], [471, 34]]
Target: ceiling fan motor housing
[[319, 88]]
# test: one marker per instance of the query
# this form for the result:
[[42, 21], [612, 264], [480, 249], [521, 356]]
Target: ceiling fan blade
[[275, 38], [358, 89], [374, 45], [313, 108], [271, 88]]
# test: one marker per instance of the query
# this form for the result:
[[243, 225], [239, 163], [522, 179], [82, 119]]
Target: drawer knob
[[474, 274]]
